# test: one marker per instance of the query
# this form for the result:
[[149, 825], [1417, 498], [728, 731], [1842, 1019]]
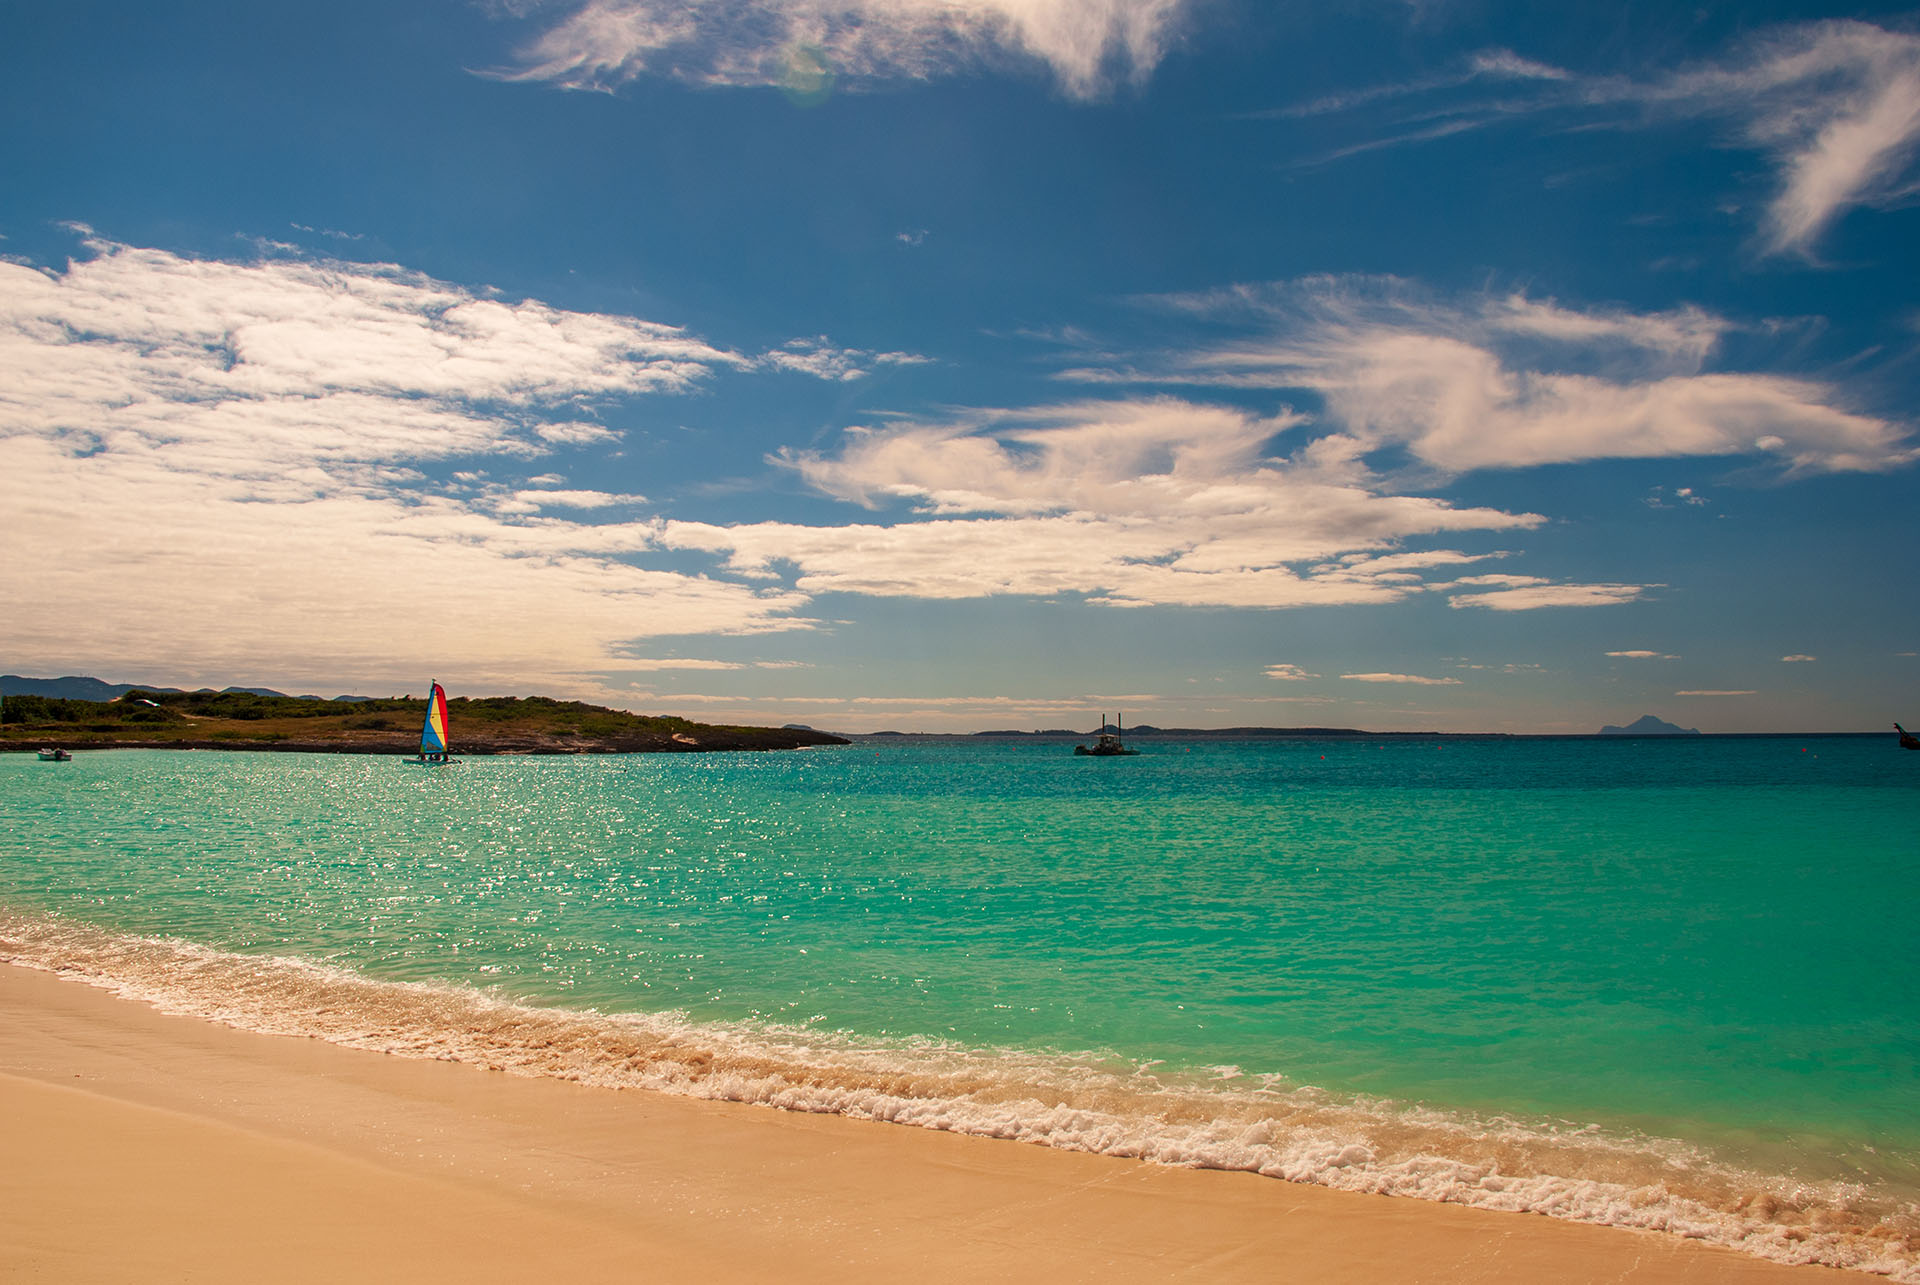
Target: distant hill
[[74, 688], [1648, 725]]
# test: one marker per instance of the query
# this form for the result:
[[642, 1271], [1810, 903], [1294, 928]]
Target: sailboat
[[433, 736]]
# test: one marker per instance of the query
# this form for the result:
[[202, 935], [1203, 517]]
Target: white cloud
[[641, 665], [1791, 660], [1505, 381], [1533, 597], [1487, 64], [822, 360], [1643, 655], [1717, 693], [1289, 673], [801, 44], [1413, 679], [1158, 502], [1495, 582], [576, 500], [1835, 105], [219, 464], [649, 666], [1685, 495]]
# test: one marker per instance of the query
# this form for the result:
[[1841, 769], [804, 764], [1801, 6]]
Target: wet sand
[[138, 1146]]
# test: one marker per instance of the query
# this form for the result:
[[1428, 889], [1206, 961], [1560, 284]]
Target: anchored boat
[[1108, 745]]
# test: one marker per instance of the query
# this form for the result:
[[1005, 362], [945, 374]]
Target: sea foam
[[1220, 1119]]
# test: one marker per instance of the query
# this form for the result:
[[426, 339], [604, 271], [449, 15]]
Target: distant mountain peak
[[1648, 725]]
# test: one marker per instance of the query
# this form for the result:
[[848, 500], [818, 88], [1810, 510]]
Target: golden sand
[[140, 1147]]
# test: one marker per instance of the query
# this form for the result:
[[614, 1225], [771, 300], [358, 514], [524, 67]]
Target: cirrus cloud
[[1834, 105], [1087, 44]]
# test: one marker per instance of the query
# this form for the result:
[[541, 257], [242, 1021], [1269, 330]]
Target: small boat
[[433, 736], [1109, 744], [56, 756], [1908, 741]]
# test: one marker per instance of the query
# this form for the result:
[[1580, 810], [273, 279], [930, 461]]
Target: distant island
[[1648, 725], [260, 719]]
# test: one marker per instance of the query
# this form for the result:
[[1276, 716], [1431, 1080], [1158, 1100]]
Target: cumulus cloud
[[1682, 496], [222, 463], [1507, 381], [822, 360], [1087, 44], [1796, 660], [579, 499], [1289, 673], [1532, 597], [343, 457], [1415, 680], [1643, 655], [1130, 503]]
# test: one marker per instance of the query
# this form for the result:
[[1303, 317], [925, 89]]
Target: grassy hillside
[[242, 720]]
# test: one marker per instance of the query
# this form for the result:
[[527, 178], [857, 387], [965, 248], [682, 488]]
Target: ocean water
[[1669, 984]]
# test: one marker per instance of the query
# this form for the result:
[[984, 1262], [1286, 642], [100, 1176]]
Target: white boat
[[56, 756], [433, 735]]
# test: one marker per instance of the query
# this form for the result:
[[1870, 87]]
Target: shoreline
[[523, 747], [154, 1145]]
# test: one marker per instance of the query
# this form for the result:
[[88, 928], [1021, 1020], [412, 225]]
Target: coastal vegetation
[[248, 720]]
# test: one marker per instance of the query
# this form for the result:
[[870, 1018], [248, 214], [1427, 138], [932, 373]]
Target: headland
[[252, 720]]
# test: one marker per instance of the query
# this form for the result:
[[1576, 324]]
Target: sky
[[951, 365]]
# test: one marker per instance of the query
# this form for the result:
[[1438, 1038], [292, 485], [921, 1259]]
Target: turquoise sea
[[1671, 984]]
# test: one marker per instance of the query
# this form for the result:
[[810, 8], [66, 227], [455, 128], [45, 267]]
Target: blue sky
[[871, 364]]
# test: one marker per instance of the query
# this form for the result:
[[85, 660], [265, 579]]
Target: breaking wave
[[1218, 1119]]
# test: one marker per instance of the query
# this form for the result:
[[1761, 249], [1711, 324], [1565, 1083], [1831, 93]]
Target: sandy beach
[[144, 1146]]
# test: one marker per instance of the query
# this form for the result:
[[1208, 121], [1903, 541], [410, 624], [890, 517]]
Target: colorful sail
[[433, 737]]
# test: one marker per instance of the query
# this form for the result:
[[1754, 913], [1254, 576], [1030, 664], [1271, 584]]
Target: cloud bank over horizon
[[248, 445], [339, 454]]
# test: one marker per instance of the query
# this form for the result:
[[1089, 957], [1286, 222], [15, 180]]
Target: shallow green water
[[1705, 939]]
